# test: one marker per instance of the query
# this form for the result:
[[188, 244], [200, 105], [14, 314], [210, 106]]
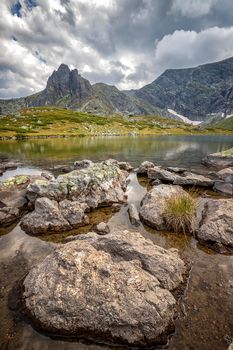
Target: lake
[[205, 315]]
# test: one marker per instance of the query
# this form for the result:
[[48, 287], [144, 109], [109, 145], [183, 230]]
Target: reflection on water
[[168, 150]]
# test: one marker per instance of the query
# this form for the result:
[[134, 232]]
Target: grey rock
[[226, 175], [176, 169], [113, 288], [12, 205], [134, 215], [144, 167], [156, 182], [157, 172], [125, 166], [102, 228], [224, 188], [49, 216], [81, 164], [216, 225], [47, 175], [218, 161], [97, 185], [152, 211]]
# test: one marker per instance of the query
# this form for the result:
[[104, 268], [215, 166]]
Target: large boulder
[[144, 167], [116, 289], [220, 160], [49, 215], [216, 224], [97, 185], [153, 206], [224, 184]]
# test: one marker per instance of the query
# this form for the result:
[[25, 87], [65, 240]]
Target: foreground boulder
[[144, 167], [116, 289], [153, 205], [96, 185], [216, 224], [49, 215]]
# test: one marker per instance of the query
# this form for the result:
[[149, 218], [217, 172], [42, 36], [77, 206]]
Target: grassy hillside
[[50, 121]]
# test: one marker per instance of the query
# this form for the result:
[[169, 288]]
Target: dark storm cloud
[[122, 42]]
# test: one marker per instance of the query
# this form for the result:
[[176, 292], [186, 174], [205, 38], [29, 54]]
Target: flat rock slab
[[115, 289], [153, 206], [216, 225]]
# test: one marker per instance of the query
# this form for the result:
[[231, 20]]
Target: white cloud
[[183, 49], [192, 8]]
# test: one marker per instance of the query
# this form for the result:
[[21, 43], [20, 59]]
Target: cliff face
[[195, 93]]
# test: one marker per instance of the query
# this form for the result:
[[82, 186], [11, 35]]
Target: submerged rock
[[12, 205], [133, 215], [153, 205], [49, 215], [216, 224], [114, 289]]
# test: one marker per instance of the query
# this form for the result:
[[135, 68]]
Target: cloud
[[122, 42], [183, 49], [192, 8]]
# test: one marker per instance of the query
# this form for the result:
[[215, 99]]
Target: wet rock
[[144, 167], [97, 185], [226, 175], [133, 215], [153, 205], [114, 289], [193, 179], [216, 225], [156, 182], [224, 188], [125, 166], [48, 216], [12, 205], [164, 175], [82, 164], [186, 179], [4, 166], [102, 228], [218, 160], [47, 175]]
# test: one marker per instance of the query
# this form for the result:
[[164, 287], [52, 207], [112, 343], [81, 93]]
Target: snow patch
[[183, 118]]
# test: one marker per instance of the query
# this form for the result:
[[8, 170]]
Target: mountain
[[193, 92], [196, 93]]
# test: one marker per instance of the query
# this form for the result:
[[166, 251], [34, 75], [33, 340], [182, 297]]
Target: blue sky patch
[[15, 9]]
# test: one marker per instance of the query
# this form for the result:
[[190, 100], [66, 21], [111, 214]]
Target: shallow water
[[206, 310]]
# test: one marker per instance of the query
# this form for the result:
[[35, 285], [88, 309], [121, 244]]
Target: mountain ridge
[[196, 93]]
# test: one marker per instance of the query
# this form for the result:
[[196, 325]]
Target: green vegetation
[[226, 153], [51, 121], [180, 213]]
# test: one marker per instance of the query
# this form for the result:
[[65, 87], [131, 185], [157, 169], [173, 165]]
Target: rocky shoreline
[[110, 285]]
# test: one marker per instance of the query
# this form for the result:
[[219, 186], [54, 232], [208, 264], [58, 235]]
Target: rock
[[224, 188], [12, 205], [192, 179], [15, 182], [82, 164], [102, 228], [186, 179], [153, 205], [230, 346], [226, 175], [158, 173], [116, 289], [216, 225], [134, 215], [219, 160], [49, 216], [176, 169], [47, 175], [144, 167], [4, 166], [125, 166], [156, 182], [97, 185]]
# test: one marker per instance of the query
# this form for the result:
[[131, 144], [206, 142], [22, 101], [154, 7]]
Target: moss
[[15, 181]]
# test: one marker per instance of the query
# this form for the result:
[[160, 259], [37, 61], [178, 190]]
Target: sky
[[127, 43]]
